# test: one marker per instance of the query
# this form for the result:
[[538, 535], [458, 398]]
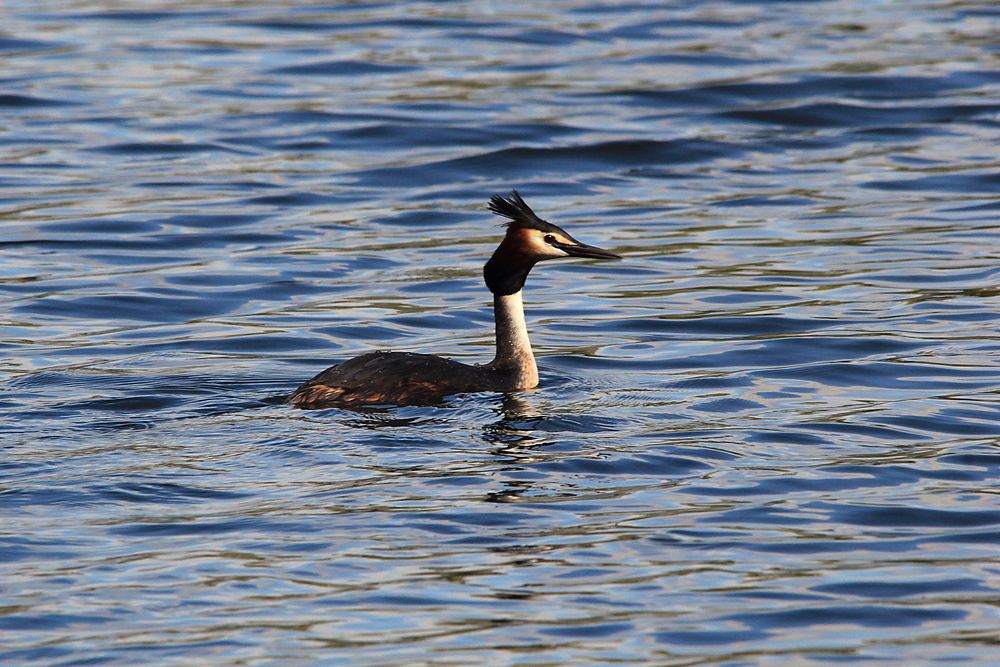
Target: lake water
[[768, 436]]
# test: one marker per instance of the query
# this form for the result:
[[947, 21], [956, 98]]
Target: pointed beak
[[584, 250]]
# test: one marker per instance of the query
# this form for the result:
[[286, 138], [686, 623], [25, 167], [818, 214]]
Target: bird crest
[[518, 213]]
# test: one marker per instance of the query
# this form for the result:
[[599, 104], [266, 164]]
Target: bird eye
[[550, 239]]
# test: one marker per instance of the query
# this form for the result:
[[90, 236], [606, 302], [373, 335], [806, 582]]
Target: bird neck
[[514, 357]]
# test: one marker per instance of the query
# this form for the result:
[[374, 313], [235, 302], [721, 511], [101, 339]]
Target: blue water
[[769, 436]]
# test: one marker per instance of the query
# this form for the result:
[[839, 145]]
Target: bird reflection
[[513, 434], [514, 441]]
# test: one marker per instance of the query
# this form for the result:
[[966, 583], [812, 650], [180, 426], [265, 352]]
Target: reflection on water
[[769, 434]]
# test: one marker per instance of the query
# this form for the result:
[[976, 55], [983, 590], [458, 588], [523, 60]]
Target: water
[[768, 436]]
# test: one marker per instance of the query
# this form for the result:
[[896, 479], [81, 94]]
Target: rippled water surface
[[768, 436]]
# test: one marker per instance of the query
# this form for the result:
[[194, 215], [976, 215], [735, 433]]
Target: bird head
[[529, 240]]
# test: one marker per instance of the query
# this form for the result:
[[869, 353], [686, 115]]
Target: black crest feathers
[[518, 213]]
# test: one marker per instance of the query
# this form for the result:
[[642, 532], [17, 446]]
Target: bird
[[406, 378]]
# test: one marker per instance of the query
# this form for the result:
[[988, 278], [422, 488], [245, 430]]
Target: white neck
[[514, 357]]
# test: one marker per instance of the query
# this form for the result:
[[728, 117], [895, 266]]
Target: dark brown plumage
[[399, 378]]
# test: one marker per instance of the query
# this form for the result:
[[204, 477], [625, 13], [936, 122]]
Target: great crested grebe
[[407, 378]]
